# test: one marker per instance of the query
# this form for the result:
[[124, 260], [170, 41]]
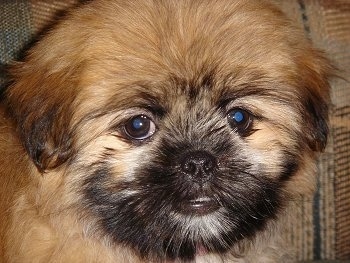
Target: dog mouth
[[199, 206]]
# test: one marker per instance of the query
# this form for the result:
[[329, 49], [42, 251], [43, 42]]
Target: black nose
[[199, 165]]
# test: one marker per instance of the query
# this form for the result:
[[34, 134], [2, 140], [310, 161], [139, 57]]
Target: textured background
[[323, 231], [327, 23]]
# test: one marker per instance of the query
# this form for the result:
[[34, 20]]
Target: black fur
[[145, 221]]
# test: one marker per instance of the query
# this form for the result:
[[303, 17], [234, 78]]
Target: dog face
[[178, 127]]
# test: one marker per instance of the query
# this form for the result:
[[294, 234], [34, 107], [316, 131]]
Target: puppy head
[[184, 126]]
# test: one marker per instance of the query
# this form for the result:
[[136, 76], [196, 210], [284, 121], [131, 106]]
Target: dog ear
[[317, 127], [315, 77], [40, 101]]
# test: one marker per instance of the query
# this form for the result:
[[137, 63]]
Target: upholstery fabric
[[327, 23], [323, 231]]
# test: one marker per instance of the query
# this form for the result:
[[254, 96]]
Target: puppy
[[161, 131]]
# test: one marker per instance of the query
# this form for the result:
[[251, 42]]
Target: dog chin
[[202, 226], [203, 229]]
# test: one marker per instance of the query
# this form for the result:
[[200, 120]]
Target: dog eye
[[240, 120], [139, 127]]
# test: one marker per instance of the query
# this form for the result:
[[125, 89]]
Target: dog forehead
[[162, 96], [205, 92], [192, 50], [182, 38]]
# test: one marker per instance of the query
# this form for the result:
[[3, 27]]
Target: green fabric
[[15, 32]]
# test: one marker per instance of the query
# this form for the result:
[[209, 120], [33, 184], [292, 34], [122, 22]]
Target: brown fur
[[75, 82]]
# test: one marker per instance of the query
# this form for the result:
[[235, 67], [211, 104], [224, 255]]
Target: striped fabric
[[323, 231], [329, 23]]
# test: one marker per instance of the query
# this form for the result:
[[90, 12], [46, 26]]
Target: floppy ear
[[316, 99], [40, 100], [317, 127]]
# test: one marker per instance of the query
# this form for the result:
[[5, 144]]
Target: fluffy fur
[[76, 187]]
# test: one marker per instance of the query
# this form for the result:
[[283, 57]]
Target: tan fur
[[99, 58]]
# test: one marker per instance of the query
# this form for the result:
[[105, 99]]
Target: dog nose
[[199, 165]]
